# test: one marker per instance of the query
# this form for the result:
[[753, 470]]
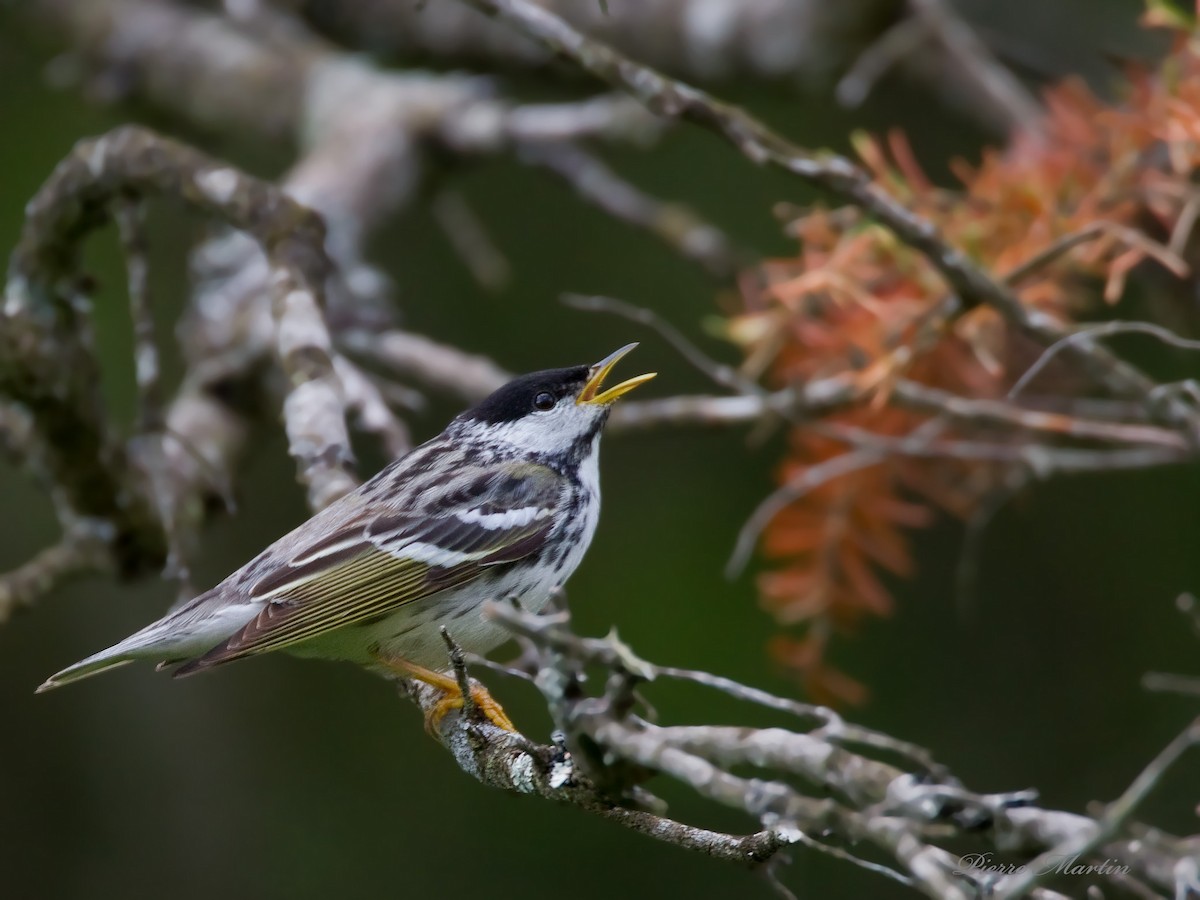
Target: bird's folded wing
[[370, 567]]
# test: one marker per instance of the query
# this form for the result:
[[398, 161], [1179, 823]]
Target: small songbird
[[502, 504]]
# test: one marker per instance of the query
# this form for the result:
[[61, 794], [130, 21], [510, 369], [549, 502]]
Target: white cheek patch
[[555, 431], [509, 518]]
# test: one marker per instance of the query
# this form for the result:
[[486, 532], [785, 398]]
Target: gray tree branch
[[284, 309], [788, 42], [822, 786]]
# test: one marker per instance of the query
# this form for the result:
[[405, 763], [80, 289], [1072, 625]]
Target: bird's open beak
[[600, 371]]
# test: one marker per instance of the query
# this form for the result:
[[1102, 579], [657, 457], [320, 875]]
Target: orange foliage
[[855, 303]]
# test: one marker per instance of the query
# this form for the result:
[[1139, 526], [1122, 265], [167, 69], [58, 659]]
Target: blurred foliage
[[1090, 193]]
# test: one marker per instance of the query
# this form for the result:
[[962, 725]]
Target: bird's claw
[[452, 695], [483, 701]]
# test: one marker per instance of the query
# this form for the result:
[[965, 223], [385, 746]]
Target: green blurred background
[[283, 778]]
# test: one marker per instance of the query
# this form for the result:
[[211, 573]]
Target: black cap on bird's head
[[517, 398], [553, 413], [542, 392]]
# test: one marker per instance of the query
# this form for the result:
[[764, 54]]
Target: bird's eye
[[543, 401]]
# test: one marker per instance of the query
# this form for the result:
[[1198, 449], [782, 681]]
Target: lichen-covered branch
[[819, 783], [49, 370], [510, 761], [137, 162]]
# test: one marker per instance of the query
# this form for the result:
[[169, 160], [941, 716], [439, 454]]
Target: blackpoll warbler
[[503, 503]]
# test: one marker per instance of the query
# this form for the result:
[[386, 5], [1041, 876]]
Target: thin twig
[[1050, 253], [1115, 815], [889, 49], [1166, 256], [83, 550], [982, 411], [130, 216], [820, 396], [966, 572], [803, 483], [470, 239], [676, 225], [845, 856], [724, 375], [1087, 333], [739, 691], [467, 376], [458, 665], [707, 411], [148, 448], [1042, 460], [1167, 682], [999, 88]]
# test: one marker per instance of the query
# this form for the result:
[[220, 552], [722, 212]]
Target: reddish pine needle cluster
[[1063, 214]]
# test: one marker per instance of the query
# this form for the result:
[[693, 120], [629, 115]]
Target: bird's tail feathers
[[191, 630], [86, 668], [143, 644]]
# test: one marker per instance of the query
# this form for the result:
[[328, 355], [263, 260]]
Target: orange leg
[[453, 698]]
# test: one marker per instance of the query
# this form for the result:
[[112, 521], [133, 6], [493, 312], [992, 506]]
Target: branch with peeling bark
[[98, 175], [825, 784]]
